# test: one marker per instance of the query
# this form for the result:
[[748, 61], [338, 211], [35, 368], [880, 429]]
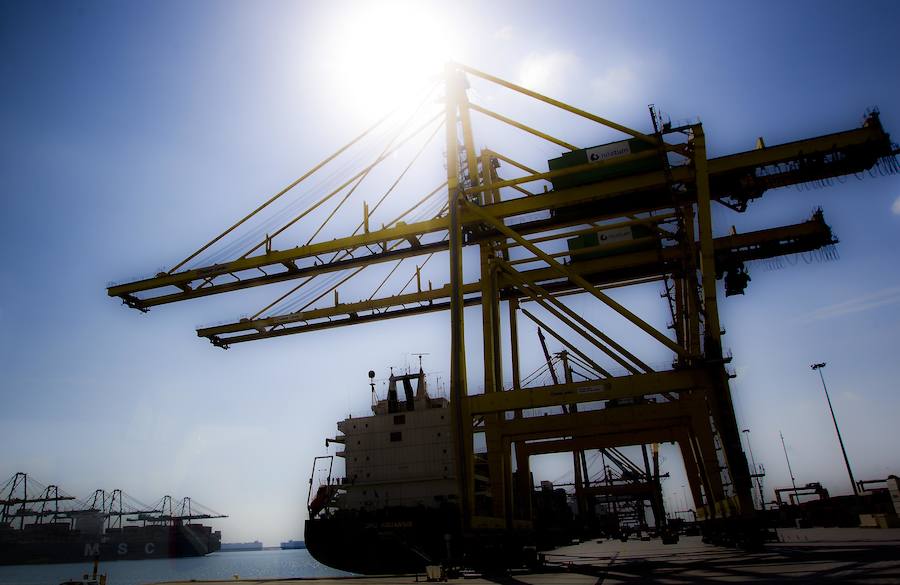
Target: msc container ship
[[36, 529]]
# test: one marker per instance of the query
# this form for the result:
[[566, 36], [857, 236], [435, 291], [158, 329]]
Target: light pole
[[762, 499], [791, 471], [819, 368]]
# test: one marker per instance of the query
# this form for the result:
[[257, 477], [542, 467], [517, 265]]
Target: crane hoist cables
[[314, 187], [341, 255], [292, 305], [333, 192], [278, 195], [420, 267], [366, 174], [315, 170], [349, 181]]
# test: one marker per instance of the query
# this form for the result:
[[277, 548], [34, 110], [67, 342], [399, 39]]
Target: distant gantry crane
[[615, 215]]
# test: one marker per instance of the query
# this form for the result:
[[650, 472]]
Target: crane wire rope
[[324, 199], [291, 306], [397, 181], [279, 194], [342, 255], [342, 171]]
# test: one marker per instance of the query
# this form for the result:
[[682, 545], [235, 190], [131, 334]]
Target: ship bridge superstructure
[[402, 455]]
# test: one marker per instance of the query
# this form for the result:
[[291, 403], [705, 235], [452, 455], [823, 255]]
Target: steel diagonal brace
[[541, 296], [564, 106], [575, 278], [562, 340], [523, 127]]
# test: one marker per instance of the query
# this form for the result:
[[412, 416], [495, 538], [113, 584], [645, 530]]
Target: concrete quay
[[815, 555]]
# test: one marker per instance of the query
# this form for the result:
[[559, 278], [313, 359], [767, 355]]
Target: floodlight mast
[[819, 367]]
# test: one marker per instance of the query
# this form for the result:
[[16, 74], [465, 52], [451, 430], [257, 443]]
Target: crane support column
[[462, 422], [721, 406]]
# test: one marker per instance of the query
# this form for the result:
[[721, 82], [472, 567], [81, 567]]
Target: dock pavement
[[814, 555]]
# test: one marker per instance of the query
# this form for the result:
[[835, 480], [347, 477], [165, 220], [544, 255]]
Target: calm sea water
[[220, 565]]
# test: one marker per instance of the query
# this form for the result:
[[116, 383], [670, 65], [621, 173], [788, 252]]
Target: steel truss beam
[[803, 237], [739, 177]]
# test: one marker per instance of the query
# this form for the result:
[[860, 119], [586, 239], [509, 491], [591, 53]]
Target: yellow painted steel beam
[[721, 406], [713, 348], [608, 346], [718, 167], [427, 296], [872, 136], [273, 258], [674, 414], [514, 163], [577, 279], [557, 103], [523, 127], [646, 489], [623, 436], [347, 319], [596, 367], [459, 404], [590, 391], [754, 245], [291, 274], [383, 237]]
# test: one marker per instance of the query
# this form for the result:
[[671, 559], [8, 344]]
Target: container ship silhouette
[[398, 496], [45, 525]]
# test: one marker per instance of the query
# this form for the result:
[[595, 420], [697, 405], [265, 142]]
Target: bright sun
[[384, 53]]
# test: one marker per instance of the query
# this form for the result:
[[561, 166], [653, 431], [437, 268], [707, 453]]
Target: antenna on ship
[[419, 355]]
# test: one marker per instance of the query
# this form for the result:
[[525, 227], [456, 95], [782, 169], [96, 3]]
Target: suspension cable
[[280, 193]]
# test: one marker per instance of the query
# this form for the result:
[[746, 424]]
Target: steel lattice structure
[[668, 198]]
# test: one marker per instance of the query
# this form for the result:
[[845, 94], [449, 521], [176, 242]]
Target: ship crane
[[120, 505], [164, 512], [620, 214], [15, 503]]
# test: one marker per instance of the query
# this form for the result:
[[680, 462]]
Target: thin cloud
[[880, 298], [615, 85], [545, 71], [626, 77], [896, 206], [851, 396], [505, 33]]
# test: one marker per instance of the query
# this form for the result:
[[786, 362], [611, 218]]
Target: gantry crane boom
[[631, 267], [734, 179]]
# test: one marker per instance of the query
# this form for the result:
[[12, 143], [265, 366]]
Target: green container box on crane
[[602, 154], [605, 243]]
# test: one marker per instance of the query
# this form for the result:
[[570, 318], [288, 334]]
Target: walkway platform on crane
[[813, 555]]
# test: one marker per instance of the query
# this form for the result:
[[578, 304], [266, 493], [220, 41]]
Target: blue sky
[[134, 132]]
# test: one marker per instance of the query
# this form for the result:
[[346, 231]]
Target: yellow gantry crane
[[619, 214]]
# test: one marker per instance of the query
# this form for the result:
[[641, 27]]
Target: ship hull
[[389, 541], [129, 544], [406, 540]]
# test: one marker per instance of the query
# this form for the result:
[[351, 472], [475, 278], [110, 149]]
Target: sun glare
[[386, 53]]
